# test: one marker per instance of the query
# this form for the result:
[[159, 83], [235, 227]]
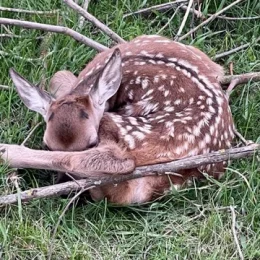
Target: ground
[[194, 223]]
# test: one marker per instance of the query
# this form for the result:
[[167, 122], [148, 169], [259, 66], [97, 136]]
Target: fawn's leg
[[106, 159]]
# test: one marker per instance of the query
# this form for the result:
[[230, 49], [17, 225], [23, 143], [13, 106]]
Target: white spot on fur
[[159, 55], [169, 109], [129, 128], [131, 94], [138, 135], [149, 92], [182, 89], [166, 93], [207, 138], [138, 80], [177, 102], [156, 79], [161, 88], [152, 61], [145, 83], [167, 102], [163, 76], [130, 140]]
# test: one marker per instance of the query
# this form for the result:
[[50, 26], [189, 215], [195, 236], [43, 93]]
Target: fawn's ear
[[108, 81], [33, 97]]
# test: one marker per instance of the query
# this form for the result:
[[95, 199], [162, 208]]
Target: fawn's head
[[72, 121]]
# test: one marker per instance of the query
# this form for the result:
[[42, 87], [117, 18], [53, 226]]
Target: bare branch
[[6, 35], [223, 17], [7, 9], [239, 48], [4, 87], [241, 138], [193, 10], [184, 20], [82, 19], [161, 7], [235, 233], [240, 79], [2, 53], [57, 29], [151, 170], [211, 18], [228, 18], [94, 21]]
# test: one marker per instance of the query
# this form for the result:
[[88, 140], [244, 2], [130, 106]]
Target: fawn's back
[[169, 104]]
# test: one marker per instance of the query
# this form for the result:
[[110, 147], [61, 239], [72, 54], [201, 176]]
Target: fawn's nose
[[93, 142]]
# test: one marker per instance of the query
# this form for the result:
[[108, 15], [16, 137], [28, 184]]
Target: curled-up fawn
[[147, 101]]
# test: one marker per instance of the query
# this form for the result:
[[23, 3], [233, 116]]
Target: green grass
[[194, 223]]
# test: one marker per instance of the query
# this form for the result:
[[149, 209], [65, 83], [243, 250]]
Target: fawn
[[151, 100]]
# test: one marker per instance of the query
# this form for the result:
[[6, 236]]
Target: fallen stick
[[94, 21], [211, 18], [151, 170], [5, 35], [187, 12], [160, 7], [16, 10], [57, 29], [4, 87], [240, 79], [199, 15], [239, 48], [2, 53], [82, 19]]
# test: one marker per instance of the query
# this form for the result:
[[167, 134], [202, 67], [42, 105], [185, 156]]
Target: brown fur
[[159, 131]]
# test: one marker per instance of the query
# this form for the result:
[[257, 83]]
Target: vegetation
[[194, 223]]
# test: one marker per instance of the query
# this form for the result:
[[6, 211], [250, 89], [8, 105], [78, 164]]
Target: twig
[[209, 19], [6, 35], [4, 87], [240, 136], [82, 19], [228, 18], [235, 232], [240, 79], [151, 170], [2, 53], [184, 20], [57, 29], [94, 21], [30, 133], [231, 86], [231, 68], [193, 10], [72, 178], [239, 48], [7, 9], [160, 7]]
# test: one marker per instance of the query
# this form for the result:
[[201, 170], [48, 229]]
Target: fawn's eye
[[83, 114]]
